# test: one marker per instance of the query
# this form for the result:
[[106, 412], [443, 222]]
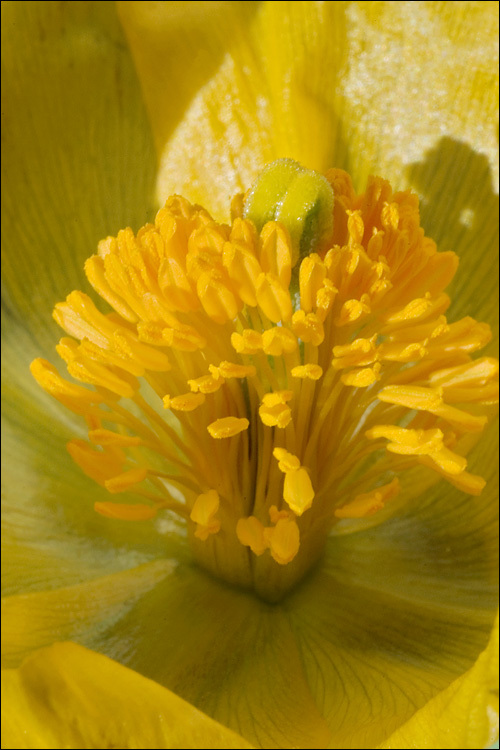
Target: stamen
[[295, 363], [203, 514], [227, 427]]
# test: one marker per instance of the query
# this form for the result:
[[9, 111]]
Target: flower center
[[269, 379]]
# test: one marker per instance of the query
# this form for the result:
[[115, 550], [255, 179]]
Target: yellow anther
[[369, 503], [274, 411], [227, 427], [243, 232], [355, 227], [298, 491], [275, 515], [203, 513], [411, 396], [362, 378], [219, 302], [215, 373], [183, 338], [247, 342], [276, 252], [175, 285], [91, 372], [124, 512], [208, 238], [283, 540], [413, 311], [470, 483], [286, 461], [353, 310], [274, 300], [243, 269], [72, 322], [87, 350], [206, 384], [184, 402], [313, 372], [392, 351], [125, 481], [74, 397], [390, 216], [94, 270], [308, 327], [127, 346], [279, 340], [408, 442], [277, 397], [277, 415], [449, 462], [358, 352], [473, 374], [99, 465], [325, 297], [250, 533], [311, 277], [108, 437], [231, 370]]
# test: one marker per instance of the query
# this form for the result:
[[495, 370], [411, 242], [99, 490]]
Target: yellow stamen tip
[[313, 372], [185, 402], [250, 533], [227, 427], [203, 513], [286, 461], [283, 540], [369, 503], [123, 512], [125, 481], [298, 491]]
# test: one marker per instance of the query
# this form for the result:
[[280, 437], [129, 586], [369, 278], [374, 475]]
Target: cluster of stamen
[[265, 400]]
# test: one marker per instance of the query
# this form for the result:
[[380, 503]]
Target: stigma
[[270, 378]]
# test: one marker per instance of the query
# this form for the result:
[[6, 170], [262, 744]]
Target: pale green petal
[[468, 708], [229, 654], [77, 152], [74, 129], [68, 697], [30, 621], [392, 617]]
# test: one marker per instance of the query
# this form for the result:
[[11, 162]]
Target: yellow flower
[[381, 644]]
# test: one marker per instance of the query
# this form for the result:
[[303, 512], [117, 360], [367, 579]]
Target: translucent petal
[[468, 707], [68, 697]]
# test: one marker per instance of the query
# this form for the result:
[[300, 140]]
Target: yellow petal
[[269, 72], [66, 696]]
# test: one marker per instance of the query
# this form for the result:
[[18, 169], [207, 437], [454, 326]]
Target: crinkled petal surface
[[66, 696], [375, 645]]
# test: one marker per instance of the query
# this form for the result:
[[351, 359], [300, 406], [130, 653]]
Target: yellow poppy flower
[[390, 640]]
